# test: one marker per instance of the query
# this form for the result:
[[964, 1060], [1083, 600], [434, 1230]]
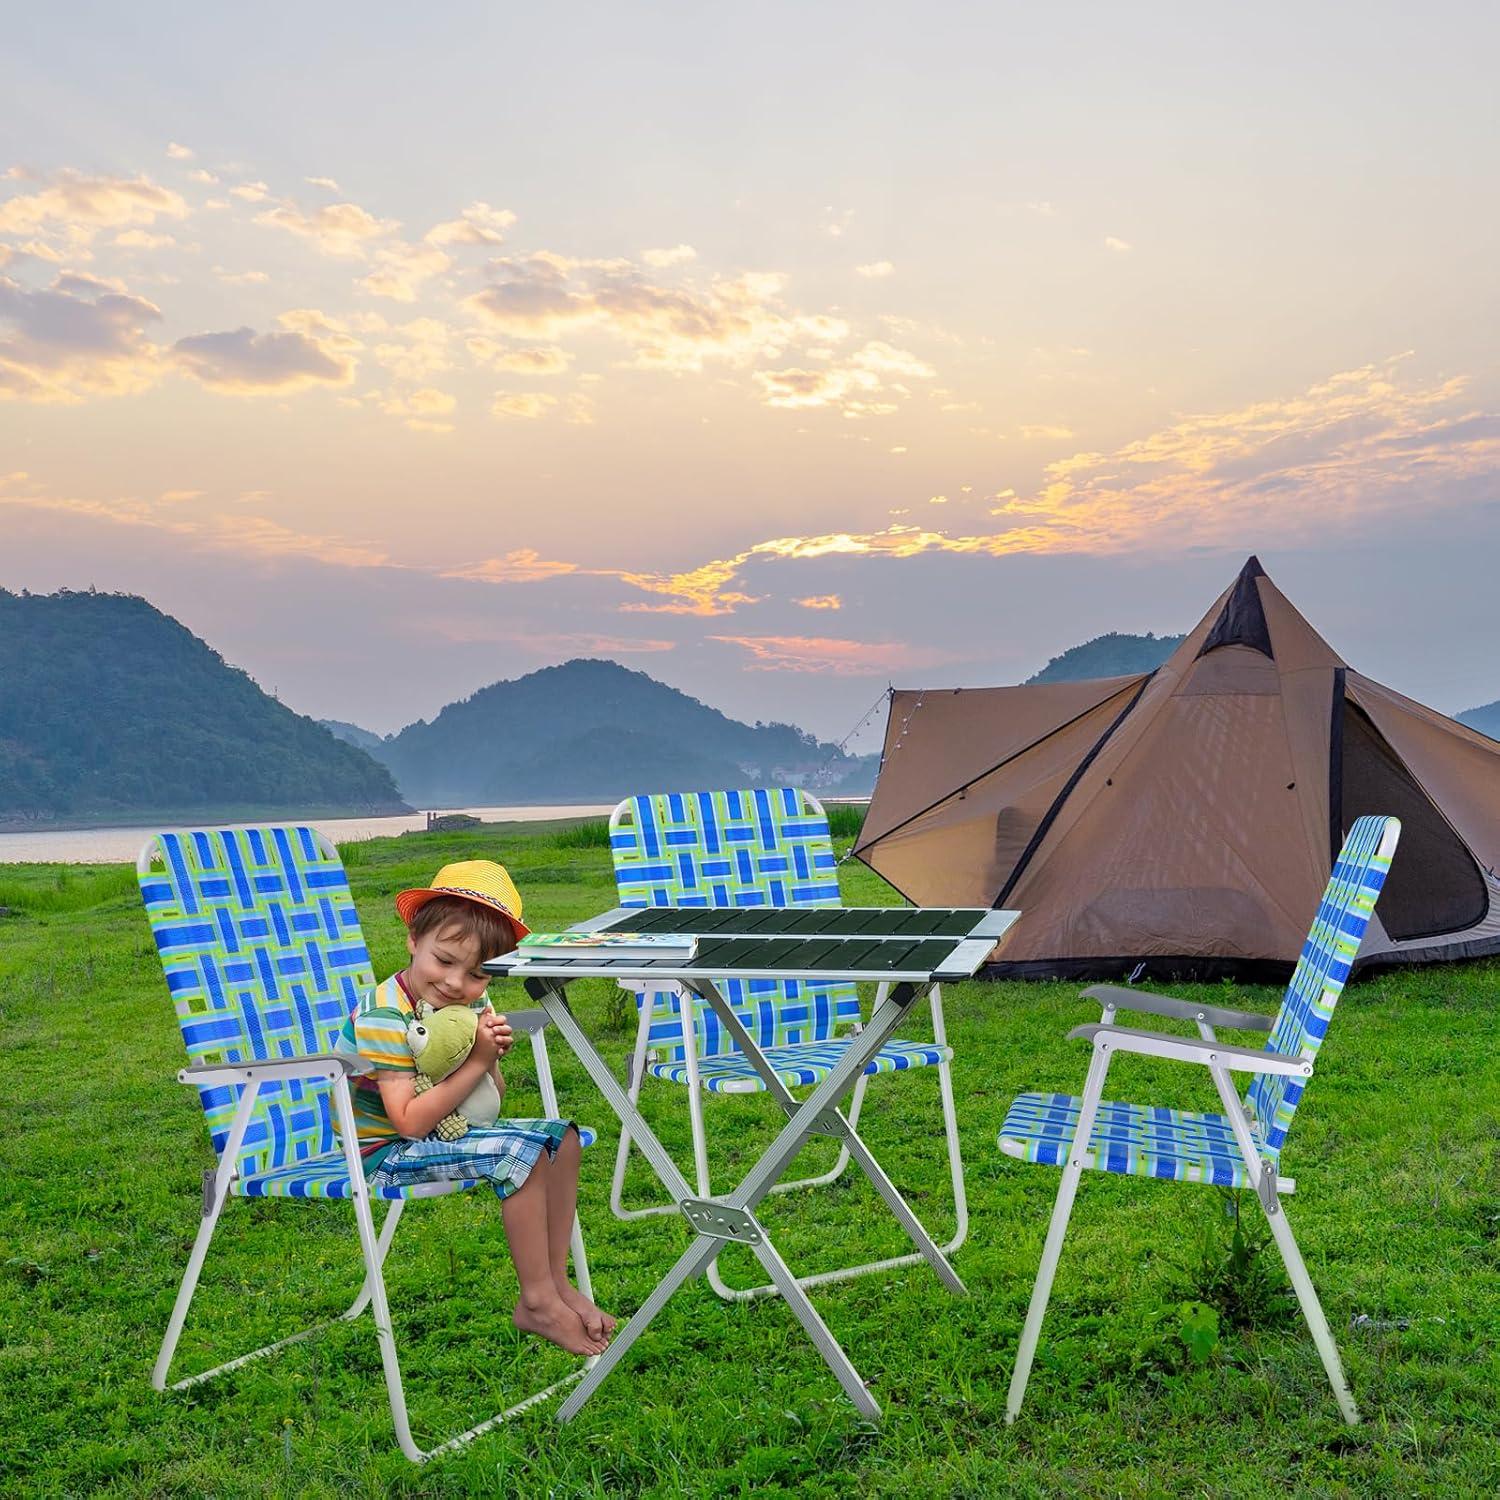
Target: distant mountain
[[352, 734], [109, 707], [1111, 655], [1485, 719], [593, 730]]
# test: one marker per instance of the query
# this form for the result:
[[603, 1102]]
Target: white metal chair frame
[[639, 1059], [335, 1070], [1220, 1059]]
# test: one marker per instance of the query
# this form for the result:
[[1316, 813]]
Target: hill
[[1486, 719], [352, 734], [109, 707], [1112, 655], [592, 730]]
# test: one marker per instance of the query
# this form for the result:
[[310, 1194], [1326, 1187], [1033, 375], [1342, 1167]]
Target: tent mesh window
[[1436, 886]]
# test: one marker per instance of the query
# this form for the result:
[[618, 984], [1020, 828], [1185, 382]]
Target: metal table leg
[[716, 1221], [819, 1114]]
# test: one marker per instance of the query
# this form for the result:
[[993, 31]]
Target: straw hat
[[481, 881]]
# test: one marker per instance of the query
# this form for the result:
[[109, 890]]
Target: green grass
[[1396, 1149]]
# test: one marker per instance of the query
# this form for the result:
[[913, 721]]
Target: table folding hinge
[[720, 1222], [1266, 1188], [830, 1122]]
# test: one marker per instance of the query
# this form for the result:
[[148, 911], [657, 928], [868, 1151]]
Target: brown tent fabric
[[1183, 823]]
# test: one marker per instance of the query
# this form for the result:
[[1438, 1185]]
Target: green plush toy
[[440, 1039]]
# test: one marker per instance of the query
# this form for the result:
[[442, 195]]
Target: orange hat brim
[[409, 903]]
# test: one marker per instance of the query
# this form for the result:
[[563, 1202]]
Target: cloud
[[1041, 430], [525, 565], [415, 350], [876, 270], [527, 405], [78, 205], [859, 386], [422, 409], [180, 497], [549, 297], [326, 183], [798, 653], [400, 270], [478, 224], [139, 239], [250, 192], [675, 255], [241, 278], [241, 362], [79, 335], [1121, 246], [1296, 471], [241, 535], [180, 153], [820, 601], [543, 359], [199, 175], [338, 229]]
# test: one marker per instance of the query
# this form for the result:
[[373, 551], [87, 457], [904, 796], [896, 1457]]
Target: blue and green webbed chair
[[1240, 1147], [761, 847], [264, 960]]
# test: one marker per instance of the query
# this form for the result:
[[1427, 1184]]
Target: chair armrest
[[1189, 1049], [1182, 1010], [324, 1065]]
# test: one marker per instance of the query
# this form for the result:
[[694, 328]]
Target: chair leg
[[382, 1249], [622, 1153], [364, 1222], [1056, 1230], [185, 1296], [1312, 1310]]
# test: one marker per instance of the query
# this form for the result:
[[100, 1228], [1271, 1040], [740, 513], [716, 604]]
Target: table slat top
[[880, 943]]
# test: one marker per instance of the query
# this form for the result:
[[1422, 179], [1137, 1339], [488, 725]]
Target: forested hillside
[[108, 706], [593, 729], [1486, 719], [1112, 655]]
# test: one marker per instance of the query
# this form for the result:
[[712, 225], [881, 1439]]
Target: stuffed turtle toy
[[440, 1039]]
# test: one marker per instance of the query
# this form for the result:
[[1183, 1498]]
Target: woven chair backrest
[[264, 958], [761, 847], [1323, 968]]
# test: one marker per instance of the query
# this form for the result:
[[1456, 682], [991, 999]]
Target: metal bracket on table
[[720, 1222], [830, 1122], [210, 1197]]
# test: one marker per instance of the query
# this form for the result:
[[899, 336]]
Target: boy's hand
[[498, 1029], [486, 1048]]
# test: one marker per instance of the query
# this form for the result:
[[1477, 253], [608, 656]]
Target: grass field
[[1396, 1150]]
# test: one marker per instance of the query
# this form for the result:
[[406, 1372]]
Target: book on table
[[677, 945]]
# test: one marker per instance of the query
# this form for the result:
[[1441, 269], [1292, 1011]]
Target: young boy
[[471, 912]]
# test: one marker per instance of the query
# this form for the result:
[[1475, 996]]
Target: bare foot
[[555, 1321], [597, 1323]]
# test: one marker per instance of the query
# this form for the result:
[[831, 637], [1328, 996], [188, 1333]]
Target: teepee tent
[[1187, 819]]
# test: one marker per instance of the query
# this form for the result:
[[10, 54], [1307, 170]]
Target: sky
[[781, 353]]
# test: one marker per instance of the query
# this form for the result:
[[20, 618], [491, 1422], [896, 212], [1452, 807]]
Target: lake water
[[86, 846]]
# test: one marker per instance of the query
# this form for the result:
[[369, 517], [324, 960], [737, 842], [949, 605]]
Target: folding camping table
[[906, 949]]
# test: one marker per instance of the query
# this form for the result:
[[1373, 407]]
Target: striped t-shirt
[[376, 1031]]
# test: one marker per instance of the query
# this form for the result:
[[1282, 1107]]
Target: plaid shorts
[[501, 1155]]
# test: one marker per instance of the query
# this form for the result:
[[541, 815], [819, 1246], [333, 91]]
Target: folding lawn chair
[[264, 960], [1242, 1146], [768, 847]]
